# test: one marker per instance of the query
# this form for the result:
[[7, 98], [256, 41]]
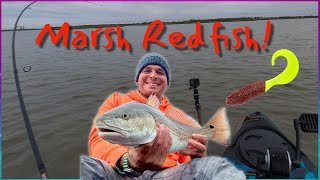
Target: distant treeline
[[180, 22]]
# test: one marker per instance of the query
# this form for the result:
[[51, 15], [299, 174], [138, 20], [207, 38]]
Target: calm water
[[65, 88]]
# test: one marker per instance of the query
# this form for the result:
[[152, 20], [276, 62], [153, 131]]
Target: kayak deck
[[250, 144]]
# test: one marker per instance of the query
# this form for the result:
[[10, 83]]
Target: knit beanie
[[153, 59]]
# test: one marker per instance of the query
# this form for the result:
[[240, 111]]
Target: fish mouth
[[105, 130], [108, 131]]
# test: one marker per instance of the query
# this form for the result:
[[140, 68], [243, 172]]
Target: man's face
[[152, 79]]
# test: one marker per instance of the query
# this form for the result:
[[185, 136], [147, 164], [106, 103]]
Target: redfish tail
[[220, 128]]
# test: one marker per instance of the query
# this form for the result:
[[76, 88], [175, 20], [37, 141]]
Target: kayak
[[262, 151]]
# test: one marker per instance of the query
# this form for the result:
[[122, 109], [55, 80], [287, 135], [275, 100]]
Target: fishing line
[[93, 3]]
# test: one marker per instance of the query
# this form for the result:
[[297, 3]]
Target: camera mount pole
[[197, 104], [193, 85]]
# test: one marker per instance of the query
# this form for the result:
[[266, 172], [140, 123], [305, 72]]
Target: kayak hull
[[250, 144]]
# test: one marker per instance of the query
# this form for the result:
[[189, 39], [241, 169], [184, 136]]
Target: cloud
[[78, 13]]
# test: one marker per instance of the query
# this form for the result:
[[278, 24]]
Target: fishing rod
[[41, 167], [35, 149]]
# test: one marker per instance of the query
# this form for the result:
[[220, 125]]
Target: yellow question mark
[[289, 73]]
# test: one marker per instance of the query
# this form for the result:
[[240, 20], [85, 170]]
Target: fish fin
[[219, 126]]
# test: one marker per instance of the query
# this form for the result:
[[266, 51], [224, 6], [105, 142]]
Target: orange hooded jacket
[[111, 153]]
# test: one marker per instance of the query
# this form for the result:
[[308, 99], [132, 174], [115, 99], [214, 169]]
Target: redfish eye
[[125, 116]]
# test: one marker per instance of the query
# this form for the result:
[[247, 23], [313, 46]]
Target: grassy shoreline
[[177, 22]]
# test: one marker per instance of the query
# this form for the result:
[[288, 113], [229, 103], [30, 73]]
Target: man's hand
[[197, 146], [151, 156], [153, 101]]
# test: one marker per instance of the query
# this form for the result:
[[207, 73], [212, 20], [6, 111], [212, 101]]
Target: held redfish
[[134, 123]]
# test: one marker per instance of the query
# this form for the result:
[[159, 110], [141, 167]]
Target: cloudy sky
[[90, 12]]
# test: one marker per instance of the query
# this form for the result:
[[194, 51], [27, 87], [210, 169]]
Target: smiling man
[[152, 75], [152, 160]]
